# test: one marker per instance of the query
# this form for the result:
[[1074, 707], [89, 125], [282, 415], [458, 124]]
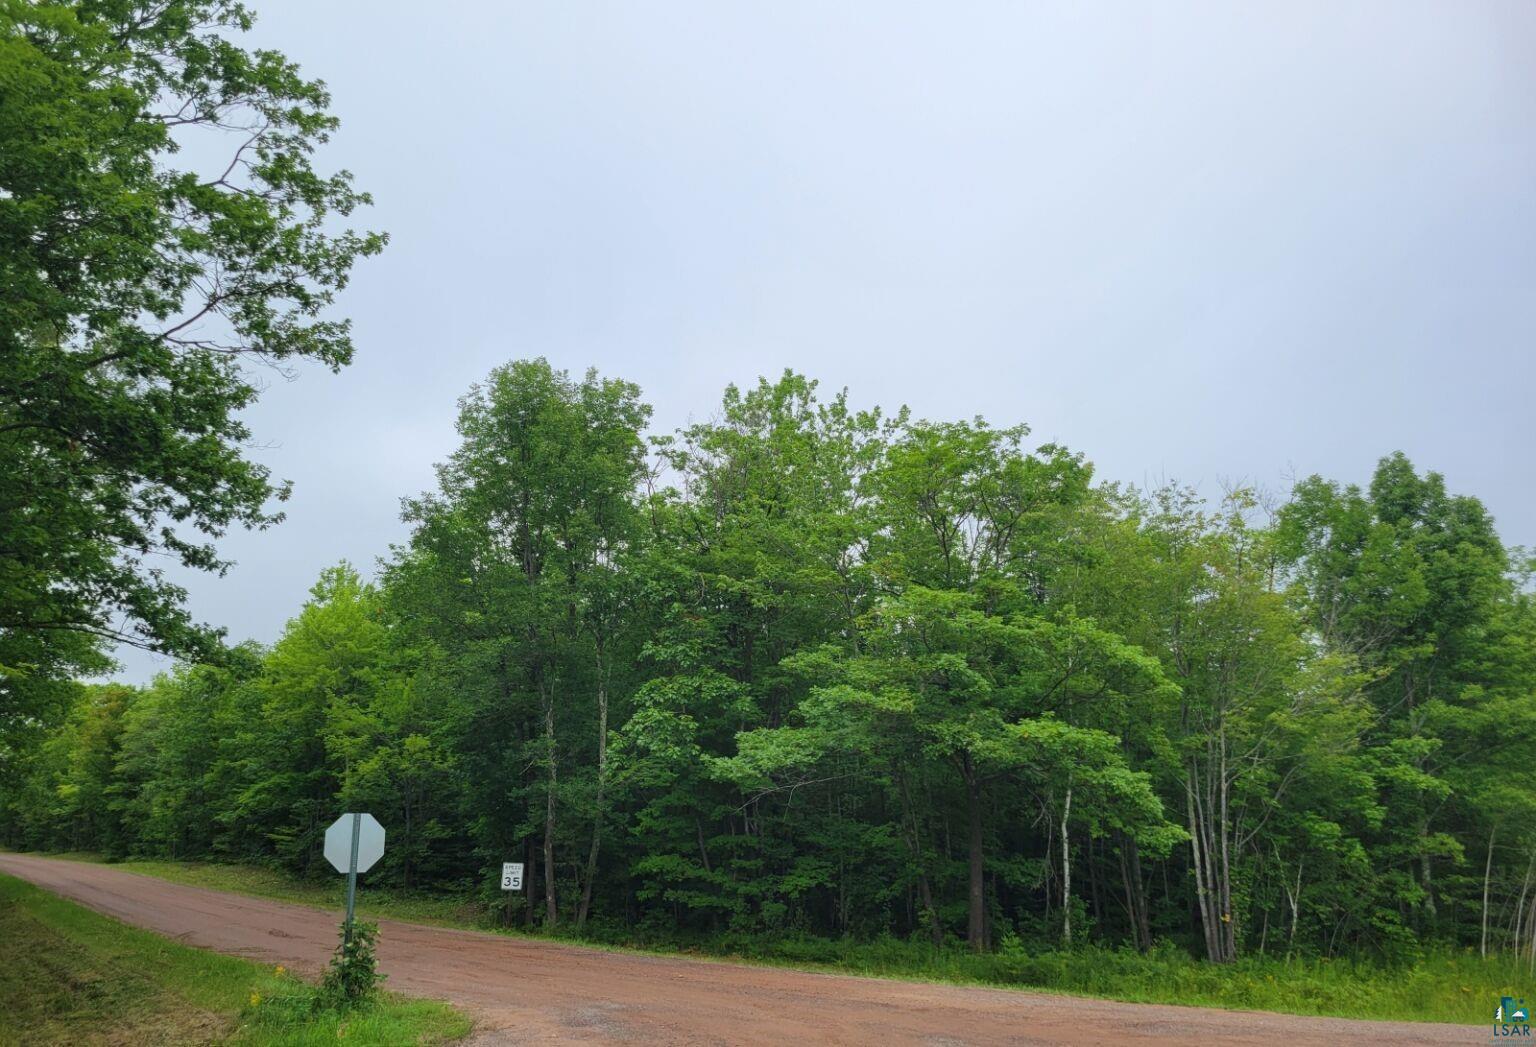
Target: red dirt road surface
[[528, 991]]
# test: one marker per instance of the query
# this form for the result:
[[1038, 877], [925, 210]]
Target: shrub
[[353, 977]]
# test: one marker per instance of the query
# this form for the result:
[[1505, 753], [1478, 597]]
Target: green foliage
[[1442, 986], [352, 978], [136, 289], [809, 674]]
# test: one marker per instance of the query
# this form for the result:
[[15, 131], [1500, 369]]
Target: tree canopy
[[809, 669], [164, 230]]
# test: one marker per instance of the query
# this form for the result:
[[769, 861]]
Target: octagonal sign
[[370, 842]]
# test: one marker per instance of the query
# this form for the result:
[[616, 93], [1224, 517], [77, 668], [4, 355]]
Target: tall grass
[[1441, 986]]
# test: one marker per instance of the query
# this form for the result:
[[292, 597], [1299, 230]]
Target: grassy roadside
[[260, 882], [73, 976], [1444, 987]]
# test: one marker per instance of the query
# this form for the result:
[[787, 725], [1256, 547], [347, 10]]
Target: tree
[[135, 293], [292, 742], [168, 792], [536, 510], [852, 675], [990, 699], [1409, 580], [758, 555], [967, 516]]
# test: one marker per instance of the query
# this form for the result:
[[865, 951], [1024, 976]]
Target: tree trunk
[[551, 913], [602, 781], [1294, 898], [533, 871], [1513, 931], [1228, 924], [1066, 871], [1487, 874], [1212, 878], [1135, 892], [1196, 837], [976, 923], [915, 845]]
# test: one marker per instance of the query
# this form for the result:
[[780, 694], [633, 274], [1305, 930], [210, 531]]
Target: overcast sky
[[1195, 241]]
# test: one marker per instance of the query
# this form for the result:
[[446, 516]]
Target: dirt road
[[527, 991]]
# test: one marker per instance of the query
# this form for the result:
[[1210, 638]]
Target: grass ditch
[[1442, 986], [74, 976]]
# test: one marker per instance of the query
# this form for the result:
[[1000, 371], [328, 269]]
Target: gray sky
[[1200, 241]]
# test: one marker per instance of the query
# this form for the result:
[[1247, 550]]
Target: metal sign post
[[352, 844], [346, 935]]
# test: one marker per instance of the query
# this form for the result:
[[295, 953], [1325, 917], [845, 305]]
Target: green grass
[[1443, 986], [1459, 988], [330, 893], [73, 976]]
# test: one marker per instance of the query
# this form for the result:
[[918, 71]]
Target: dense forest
[[804, 668]]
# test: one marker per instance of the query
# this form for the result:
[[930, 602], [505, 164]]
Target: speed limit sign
[[511, 876]]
